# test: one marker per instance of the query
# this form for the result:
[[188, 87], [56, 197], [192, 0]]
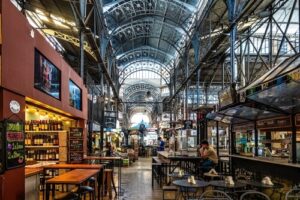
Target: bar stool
[[109, 180], [67, 196], [156, 173], [83, 190]]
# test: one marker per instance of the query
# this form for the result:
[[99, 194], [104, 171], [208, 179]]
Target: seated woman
[[209, 155]]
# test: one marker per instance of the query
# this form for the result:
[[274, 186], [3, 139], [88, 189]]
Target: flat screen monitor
[[74, 95], [47, 76]]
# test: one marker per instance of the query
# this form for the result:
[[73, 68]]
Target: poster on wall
[[15, 148], [74, 95], [47, 77]]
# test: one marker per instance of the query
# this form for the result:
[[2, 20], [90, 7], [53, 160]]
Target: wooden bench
[[169, 188], [160, 160]]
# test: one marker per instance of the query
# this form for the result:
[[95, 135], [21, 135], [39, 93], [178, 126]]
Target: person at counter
[[109, 149], [161, 144], [209, 156]]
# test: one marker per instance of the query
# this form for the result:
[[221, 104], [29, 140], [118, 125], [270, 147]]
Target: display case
[[244, 139]]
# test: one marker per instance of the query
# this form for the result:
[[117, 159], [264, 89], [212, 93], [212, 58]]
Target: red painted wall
[[17, 82], [13, 181], [18, 62]]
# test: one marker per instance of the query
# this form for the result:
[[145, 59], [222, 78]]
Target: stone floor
[[136, 182]]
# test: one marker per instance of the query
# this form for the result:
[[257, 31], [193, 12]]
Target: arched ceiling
[[139, 91], [149, 36]]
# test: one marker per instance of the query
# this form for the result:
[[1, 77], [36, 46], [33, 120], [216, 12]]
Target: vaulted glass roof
[[149, 36]]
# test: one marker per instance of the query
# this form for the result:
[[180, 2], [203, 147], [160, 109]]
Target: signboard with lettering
[[14, 143], [76, 145], [274, 123], [188, 124], [110, 119]]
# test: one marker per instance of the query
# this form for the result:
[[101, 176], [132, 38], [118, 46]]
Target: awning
[[279, 88]]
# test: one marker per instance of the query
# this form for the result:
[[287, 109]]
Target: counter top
[[32, 171], [165, 154], [277, 161]]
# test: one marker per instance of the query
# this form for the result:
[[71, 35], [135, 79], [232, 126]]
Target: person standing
[[161, 144], [209, 156], [109, 149]]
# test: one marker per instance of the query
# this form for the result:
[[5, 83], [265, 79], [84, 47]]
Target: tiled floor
[[136, 182]]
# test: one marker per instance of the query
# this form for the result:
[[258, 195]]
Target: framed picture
[[47, 77], [75, 95]]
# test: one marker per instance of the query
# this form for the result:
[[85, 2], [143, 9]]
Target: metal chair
[[254, 195], [215, 195], [293, 194]]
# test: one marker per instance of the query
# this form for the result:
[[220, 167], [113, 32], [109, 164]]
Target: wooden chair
[[109, 182]]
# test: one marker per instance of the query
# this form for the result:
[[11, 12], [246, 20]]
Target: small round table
[[175, 175], [189, 190], [226, 187]]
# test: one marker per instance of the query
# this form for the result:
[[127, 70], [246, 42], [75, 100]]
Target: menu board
[[15, 148], [75, 157], [76, 145], [76, 133], [2, 160]]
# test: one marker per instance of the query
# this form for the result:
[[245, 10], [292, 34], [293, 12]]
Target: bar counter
[[32, 182], [32, 171], [271, 160], [278, 168], [178, 155]]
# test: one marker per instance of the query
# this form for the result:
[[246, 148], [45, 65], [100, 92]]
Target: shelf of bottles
[[42, 140], [43, 125]]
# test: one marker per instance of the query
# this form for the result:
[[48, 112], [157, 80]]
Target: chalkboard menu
[[76, 145], [2, 149], [15, 148]]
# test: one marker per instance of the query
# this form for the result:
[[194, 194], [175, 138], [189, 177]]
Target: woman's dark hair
[[204, 142], [159, 138]]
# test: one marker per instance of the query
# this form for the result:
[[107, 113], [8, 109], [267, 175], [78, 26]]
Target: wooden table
[[74, 177], [32, 171], [73, 166], [98, 158], [79, 166]]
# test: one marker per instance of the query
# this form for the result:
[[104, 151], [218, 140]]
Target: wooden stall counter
[[271, 160], [260, 167]]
